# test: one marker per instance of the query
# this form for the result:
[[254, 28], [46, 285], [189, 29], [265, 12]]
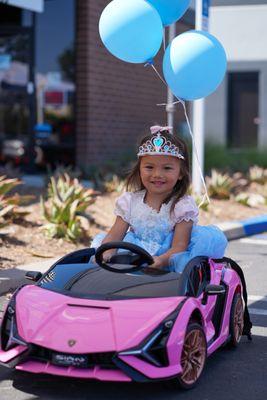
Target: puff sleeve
[[186, 210], [123, 206]]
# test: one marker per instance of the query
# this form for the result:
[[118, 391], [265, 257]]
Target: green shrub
[[258, 174], [219, 185], [10, 205], [65, 208], [203, 205], [226, 159], [113, 183], [250, 199]]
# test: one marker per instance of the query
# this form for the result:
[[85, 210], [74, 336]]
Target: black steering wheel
[[137, 260]]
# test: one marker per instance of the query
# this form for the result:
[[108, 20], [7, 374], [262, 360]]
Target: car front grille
[[103, 360]]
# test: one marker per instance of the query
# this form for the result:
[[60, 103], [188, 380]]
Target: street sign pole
[[201, 23], [170, 108]]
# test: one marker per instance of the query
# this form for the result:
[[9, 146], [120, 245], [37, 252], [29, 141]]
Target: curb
[[10, 279], [239, 229]]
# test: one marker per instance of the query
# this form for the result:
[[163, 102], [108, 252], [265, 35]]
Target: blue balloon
[[170, 10], [131, 30], [194, 65]]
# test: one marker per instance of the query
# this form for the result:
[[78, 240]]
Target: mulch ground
[[24, 242]]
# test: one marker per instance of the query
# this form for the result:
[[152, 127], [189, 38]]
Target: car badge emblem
[[71, 342]]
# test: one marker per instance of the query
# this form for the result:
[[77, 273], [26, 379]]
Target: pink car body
[[122, 336]]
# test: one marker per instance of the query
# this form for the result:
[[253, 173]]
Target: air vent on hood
[[89, 306]]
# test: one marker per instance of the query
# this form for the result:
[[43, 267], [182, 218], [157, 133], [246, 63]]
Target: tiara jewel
[[158, 145]]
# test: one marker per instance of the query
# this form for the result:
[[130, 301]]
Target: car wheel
[[236, 320], [193, 357]]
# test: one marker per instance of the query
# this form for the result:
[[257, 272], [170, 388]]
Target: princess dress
[[153, 230]]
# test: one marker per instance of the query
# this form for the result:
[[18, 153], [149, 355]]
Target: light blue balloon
[[170, 10], [194, 65], [131, 30]]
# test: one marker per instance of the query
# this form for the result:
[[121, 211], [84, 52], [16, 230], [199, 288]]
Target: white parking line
[[259, 331], [257, 298], [257, 311], [254, 241]]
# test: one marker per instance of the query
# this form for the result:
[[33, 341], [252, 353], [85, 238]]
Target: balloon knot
[[149, 62]]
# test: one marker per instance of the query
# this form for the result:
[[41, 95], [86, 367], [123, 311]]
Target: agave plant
[[62, 170], [202, 203], [258, 174], [219, 185], [250, 199], [10, 205], [65, 208], [113, 183]]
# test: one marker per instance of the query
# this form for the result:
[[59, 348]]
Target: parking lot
[[231, 375]]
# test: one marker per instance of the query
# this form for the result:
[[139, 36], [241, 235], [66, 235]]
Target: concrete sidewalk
[[12, 278]]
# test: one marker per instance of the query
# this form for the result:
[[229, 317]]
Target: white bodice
[[150, 226]]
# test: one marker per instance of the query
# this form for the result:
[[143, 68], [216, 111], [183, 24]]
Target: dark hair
[[134, 183]]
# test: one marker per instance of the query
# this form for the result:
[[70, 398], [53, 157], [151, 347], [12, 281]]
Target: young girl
[[156, 213]]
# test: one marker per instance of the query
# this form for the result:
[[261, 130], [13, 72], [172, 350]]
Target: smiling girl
[[156, 212]]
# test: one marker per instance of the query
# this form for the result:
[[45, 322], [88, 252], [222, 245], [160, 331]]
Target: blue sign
[[5, 60], [33, 5], [205, 8]]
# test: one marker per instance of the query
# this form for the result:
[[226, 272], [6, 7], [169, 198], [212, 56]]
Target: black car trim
[[11, 303], [136, 375], [219, 312], [103, 297], [247, 321], [146, 356], [184, 279], [76, 277], [87, 252]]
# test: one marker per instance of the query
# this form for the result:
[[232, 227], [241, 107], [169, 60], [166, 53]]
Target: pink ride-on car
[[124, 321]]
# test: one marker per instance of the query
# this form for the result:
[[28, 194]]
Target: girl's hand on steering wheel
[[107, 255], [158, 263]]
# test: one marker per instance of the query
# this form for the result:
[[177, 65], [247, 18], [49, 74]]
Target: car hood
[[74, 325]]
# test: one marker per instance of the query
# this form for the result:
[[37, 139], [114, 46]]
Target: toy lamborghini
[[122, 320]]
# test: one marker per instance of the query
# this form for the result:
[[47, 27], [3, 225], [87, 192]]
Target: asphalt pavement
[[229, 374]]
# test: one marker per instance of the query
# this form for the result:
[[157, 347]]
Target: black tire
[[195, 336], [236, 323]]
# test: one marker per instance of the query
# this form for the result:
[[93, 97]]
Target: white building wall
[[243, 32]]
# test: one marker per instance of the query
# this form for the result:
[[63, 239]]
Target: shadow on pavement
[[229, 374]]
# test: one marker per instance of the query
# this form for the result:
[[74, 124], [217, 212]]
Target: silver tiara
[[159, 145]]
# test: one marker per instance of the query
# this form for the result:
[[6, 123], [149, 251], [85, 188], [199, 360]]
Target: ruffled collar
[[162, 209]]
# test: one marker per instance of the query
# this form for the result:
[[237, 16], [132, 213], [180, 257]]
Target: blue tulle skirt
[[207, 241]]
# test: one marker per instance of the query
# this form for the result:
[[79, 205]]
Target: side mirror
[[211, 290], [33, 275]]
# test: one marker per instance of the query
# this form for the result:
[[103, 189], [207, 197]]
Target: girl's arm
[[116, 233], [180, 242]]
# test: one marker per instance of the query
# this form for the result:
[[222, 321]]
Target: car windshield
[[78, 280]]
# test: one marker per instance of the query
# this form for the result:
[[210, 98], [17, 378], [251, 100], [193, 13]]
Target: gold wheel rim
[[193, 356], [238, 320]]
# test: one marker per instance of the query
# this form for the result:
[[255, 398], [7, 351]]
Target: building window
[[55, 37], [51, 122]]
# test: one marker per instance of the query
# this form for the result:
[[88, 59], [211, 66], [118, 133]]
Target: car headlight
[[154, 348], [9, 331]]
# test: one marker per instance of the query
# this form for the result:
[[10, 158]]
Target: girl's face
[[159, 174]]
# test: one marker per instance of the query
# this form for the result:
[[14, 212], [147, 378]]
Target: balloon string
[[164, 39], [197, 157], [160, 77], [205, 196]]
